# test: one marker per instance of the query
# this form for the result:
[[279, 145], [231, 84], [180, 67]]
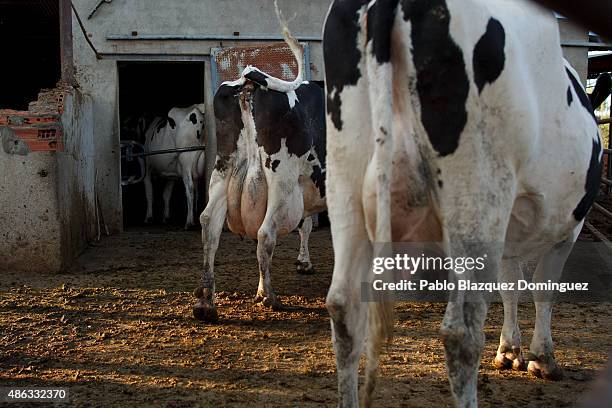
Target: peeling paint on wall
[[11, 144]]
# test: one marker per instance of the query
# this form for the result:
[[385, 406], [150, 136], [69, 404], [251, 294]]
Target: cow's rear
[[269, 173], [457, 122]]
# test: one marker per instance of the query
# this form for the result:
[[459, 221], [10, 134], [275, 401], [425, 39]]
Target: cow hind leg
[[266, 241], [303, 265], [509, 353], [190, 195], [464, 319], [463, 342], [167, 196], [542, 360], [148, 185], [348, 311], [348, 322], [211, 219]]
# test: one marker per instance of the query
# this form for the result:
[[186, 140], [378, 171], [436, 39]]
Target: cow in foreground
[[269, 171], [459, 122], [183, 127]]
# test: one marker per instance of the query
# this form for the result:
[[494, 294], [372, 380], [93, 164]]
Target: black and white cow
[[269, 171], [456, 121], [183, 127]]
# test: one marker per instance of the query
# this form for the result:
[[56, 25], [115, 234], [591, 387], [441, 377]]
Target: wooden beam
[[599, 64], [592, 14], [66, 53], [603, 210], [598, 234]]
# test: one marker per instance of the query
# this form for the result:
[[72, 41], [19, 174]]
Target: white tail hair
[[292, 42], [201, 107], [269, 81], [380, 331]]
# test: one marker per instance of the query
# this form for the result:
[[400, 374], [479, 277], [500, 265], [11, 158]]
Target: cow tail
[[380, 331], [603, 88], [379, 19], [141, 129], [293, 44], [200, 166]]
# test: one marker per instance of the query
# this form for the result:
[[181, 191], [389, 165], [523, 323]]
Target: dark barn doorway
[[151, 89], [30, 35]]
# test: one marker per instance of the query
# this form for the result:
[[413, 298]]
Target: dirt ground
[[117, 330]]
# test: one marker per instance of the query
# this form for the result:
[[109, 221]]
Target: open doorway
[[30, 33], [151, 89]]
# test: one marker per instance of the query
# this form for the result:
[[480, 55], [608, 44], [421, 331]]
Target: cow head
[[190, 123], [196, 117]]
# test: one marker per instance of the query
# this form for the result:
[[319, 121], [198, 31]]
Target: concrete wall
[[99, 79], [29, 222], [576, 55], [76, 177], [138, 19], [47, 198]]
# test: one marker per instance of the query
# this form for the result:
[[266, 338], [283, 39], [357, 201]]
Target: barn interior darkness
[[30, 38], [152, 89]]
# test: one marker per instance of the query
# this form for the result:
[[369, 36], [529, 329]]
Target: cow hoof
[[510, 360], [205, 310], [205, 313], [268, 301], [303, 268], [549, 372], [149, 220], [166, 221], [272, 302]]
